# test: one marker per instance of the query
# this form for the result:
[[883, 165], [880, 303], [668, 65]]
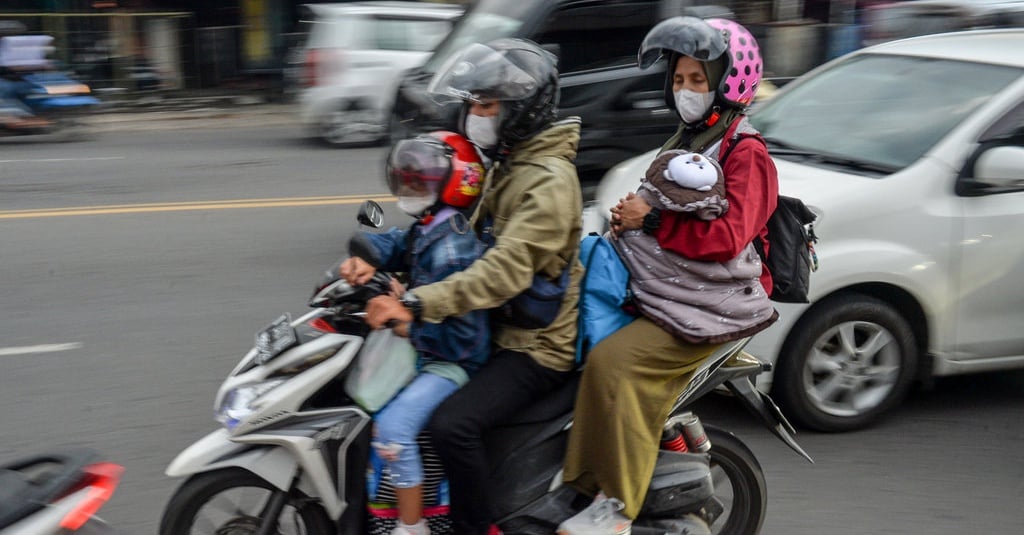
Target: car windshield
[[489, 19], [877, 112]]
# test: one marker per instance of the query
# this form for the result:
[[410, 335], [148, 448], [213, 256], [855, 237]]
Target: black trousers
[[508, 383]]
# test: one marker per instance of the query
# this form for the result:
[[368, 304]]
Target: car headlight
[[237, 403]]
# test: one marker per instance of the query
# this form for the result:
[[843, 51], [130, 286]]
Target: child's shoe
[[599, 518], [419, 528]]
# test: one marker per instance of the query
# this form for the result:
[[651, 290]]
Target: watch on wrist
[[412, 302], [652, 221]]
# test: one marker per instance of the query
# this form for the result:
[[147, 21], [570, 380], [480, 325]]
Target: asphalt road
[[135, 268]]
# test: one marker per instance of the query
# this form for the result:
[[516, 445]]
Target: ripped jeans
[[400, 422]]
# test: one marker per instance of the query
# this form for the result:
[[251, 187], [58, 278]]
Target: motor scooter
[[40, 99], [57, 493], [292, 455]]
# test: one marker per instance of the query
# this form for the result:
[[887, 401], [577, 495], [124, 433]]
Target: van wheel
[[351, 124], [849, 360]]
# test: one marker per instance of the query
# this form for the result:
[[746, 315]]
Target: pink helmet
[[744, 69], [709, 40]]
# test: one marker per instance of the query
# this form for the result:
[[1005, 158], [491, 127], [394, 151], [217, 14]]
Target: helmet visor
[[418, 167], [688, 36], [479, 73]]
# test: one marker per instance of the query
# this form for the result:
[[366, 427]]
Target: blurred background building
[[144, 45]]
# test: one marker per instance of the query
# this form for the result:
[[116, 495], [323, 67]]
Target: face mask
[[691, 105], [415, 206], [482, 131]]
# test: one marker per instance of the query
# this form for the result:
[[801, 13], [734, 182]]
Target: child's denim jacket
[[447, 247]]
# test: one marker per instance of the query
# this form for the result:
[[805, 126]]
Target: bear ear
[[696, 157]]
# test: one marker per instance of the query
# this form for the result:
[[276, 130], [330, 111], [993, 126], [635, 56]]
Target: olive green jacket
[[535, 202]]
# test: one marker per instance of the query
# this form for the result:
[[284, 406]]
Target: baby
[[683, 181]]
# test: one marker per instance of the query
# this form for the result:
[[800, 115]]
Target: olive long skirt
[[628, 386]]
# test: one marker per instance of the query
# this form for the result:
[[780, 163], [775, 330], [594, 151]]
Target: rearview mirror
[[371, 214], [1001, 167]]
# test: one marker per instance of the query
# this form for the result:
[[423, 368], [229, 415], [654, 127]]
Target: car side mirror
[[1001, 167], [371, 214]]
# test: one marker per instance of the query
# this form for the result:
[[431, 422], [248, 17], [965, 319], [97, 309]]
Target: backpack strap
[[738, 131]]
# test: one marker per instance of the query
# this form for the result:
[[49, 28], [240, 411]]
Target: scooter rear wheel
[[739, 484], [231, 501]]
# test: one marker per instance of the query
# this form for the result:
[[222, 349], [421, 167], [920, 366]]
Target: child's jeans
[[402, 419]]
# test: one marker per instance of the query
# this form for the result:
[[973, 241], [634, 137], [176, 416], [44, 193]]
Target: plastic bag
[[385, 364]]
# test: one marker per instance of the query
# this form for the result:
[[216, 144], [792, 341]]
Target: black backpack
[[791, 235]]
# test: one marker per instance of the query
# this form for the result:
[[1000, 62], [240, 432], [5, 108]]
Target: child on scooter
[[436, 178]]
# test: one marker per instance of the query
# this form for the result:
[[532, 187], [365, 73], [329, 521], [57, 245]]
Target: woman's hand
[[356, 271], [629, 213]]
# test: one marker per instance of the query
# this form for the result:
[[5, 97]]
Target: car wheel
[[849, 360], [351, 124]]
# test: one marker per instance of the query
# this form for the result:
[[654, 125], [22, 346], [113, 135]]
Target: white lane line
[[48, 160], [44, 348]]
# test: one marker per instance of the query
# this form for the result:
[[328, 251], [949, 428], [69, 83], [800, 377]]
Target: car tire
[[352, 124], [849, 360]]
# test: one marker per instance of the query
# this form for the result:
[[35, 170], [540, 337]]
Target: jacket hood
[[560, 139]]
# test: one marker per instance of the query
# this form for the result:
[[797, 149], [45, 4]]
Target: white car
[[354, 56], [912, 154]]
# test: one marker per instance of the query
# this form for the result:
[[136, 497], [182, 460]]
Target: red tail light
[[101, 479], [309, 73], [320, 64]]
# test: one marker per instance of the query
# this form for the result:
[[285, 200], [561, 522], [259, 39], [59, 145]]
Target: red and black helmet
[[441, 164]]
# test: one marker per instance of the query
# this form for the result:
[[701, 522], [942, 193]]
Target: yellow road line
[[191, 206]]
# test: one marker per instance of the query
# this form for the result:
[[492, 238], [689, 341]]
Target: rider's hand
[[629, 213], [397, 288], [383, 309], [356, 271]]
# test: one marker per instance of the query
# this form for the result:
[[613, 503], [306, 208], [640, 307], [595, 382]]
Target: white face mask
[[482, 131], [415, 206], [691, 105]]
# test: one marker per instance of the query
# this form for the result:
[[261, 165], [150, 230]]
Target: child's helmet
[[441, 165], [709, 40]]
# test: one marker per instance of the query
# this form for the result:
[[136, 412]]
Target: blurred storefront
[[140, 45]]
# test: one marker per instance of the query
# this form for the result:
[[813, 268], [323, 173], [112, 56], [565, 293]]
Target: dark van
[[622, 107]]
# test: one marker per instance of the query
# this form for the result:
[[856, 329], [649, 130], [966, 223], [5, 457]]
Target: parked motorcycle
[[35, 97], [56, 493], [292, 455]]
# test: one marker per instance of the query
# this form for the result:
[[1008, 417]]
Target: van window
[[597, 35], [409, 35]]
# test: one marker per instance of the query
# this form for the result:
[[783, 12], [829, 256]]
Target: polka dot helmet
[[744, 67], [709, 40]]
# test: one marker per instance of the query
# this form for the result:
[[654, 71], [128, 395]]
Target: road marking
[[44, 348], [283, 202], [49, 160]]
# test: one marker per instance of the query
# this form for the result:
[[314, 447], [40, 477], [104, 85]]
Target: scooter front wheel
[[739, 484], [235, 501]]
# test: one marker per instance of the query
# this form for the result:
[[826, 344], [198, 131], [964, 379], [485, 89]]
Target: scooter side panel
[[215, 451]]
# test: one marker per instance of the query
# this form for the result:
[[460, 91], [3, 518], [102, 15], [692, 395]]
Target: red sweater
[[752, 188]]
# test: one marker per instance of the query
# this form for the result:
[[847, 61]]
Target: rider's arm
[[534, 233], [751, 186]]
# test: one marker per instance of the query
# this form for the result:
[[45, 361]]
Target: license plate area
[[275, 339]]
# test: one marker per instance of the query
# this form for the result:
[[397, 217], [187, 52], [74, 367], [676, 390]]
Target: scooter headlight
[[237, 404]]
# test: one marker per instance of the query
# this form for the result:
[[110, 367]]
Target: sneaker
[[419, 528], [603, 517]]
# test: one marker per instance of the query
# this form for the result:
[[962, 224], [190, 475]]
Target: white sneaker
[[419, 528], [599, 518]]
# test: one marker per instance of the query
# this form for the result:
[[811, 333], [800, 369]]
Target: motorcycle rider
[[633, 376], [531, 210], [436, 177]]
